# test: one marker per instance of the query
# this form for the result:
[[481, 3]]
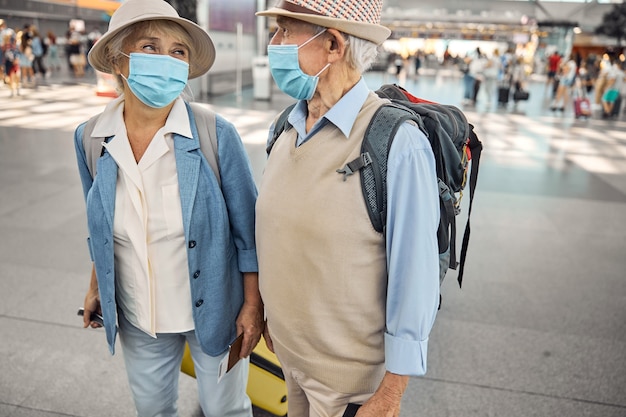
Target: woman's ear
[[115, 66]]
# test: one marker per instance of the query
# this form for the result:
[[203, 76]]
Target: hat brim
[[203, 50], [368, 31]]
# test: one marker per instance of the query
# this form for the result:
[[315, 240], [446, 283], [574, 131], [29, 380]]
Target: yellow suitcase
[[266, 382]]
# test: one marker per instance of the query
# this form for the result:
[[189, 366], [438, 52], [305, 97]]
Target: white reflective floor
[[539, 328]]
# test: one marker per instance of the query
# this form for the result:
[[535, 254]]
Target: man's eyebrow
[[285, 22]]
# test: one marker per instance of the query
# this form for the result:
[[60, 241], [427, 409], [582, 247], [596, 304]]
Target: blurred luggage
[[582, 107], [266, 381], [582, 104], [504, 93], [520, 95]]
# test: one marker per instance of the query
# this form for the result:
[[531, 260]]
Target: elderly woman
[[171, 240]]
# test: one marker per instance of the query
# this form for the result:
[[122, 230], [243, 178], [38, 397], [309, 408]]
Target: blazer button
[[192, 244], [196, 274], [199, 303]]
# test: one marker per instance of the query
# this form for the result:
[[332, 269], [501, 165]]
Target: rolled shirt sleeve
[[412, 251]]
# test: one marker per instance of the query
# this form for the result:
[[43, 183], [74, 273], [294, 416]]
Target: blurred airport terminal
[[539, 327], [434, 33]]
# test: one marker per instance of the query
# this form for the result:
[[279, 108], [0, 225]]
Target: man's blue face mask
[[287, 73], [156, 79]]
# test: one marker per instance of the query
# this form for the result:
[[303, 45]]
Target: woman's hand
[[250, 323], [92, 302], [250, 320]]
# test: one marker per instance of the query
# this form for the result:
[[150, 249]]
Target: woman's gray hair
[[114, 54]]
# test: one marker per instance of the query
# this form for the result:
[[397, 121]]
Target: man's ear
[[337, 45]]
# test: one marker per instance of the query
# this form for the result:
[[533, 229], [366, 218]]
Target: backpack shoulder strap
[[372, 162], [206, 125], [204, 119], [476, 148], [92, 146], [280, 126]]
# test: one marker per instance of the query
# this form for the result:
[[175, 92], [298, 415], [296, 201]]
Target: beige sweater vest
[[322, 267]]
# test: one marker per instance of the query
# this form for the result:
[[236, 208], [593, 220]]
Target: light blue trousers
[[153, 368]]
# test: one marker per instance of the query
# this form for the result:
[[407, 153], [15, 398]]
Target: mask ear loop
[[122, 75], [311, 39], [323, 69]]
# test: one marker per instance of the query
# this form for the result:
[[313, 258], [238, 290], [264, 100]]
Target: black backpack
[[454, 144]]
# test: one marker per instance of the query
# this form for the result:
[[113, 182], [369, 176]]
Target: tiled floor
[[539, 328]]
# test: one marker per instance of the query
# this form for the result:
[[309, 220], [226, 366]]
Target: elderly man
[[349, 310]]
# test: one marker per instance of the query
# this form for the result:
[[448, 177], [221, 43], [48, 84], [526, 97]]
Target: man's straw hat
[[360, 18]]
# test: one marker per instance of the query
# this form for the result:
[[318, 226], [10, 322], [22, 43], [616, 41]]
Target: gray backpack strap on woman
[[205, 125], [207, 133]]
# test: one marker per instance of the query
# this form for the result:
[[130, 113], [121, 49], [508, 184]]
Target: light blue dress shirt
[[412, 221]]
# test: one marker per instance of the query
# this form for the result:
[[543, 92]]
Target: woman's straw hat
[[132, 11], [360, 18]]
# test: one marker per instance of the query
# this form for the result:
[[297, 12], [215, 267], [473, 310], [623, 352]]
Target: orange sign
[[106, 5]]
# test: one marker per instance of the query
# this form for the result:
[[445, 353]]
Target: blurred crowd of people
[[497, 77], [484, 75], [28, 56], [22, 52], [599, 81]]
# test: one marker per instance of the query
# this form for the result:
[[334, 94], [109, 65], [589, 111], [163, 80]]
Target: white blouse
[[151, 269]]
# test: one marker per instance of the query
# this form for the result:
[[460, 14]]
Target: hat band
[[294, 8]]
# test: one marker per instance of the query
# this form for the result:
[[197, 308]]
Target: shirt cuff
[[247, 261], [405, 357]]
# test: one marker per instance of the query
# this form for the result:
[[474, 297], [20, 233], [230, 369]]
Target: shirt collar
[[113, 114], [178, 120], [110, 119], [343, 114]]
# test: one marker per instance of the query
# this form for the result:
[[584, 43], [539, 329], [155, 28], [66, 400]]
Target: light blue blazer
[[218, 224]]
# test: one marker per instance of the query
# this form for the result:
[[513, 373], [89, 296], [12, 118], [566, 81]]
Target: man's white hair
[[360, 54]]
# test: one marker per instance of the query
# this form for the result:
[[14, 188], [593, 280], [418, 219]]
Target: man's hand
[[386, 400], [268, 338]]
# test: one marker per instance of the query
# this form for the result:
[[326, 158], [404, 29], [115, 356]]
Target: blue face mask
[[156, 79], [287, 73]]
